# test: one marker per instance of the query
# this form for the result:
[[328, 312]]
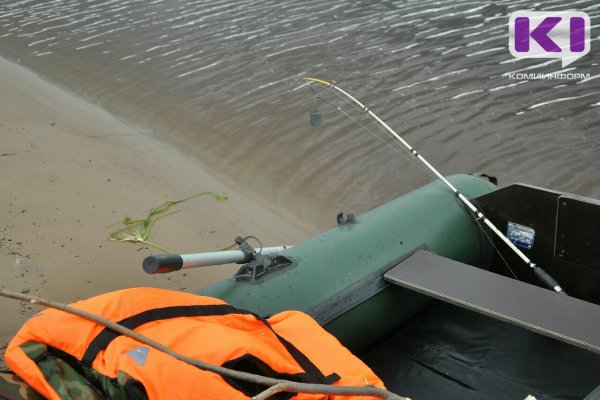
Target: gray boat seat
[[563, 318]]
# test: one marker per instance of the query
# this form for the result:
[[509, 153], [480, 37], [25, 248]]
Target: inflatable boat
[[436, 305]]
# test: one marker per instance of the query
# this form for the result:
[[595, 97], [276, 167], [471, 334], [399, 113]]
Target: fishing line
[[394, 143], [489, 238], [542, 275], [315, 114], [394, 146]]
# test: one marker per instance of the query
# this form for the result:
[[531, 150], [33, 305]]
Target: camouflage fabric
[[14, 388], [69, 378]]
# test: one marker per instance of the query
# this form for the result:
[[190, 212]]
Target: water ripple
[[223, 80]]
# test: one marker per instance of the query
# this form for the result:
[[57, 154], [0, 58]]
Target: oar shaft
[[539, 272], [164, 263]]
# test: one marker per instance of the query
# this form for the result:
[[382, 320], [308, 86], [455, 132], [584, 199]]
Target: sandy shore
[[69, 170]]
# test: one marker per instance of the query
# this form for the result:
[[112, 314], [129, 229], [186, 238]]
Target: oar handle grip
[[162, 263], [547, 280]]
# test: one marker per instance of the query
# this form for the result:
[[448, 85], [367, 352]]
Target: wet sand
[[69, 169]]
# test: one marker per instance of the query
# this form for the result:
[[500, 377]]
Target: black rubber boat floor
[[447, 352]]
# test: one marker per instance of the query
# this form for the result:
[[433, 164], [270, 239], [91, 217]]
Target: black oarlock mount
[[348, 220], [259, 267]]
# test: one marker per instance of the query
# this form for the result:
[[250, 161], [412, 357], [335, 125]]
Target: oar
[[542, 275], [163, 263]]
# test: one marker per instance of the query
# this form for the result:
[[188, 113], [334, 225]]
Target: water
[[223, 81]]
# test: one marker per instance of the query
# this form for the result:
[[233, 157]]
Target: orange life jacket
[[289, 345]]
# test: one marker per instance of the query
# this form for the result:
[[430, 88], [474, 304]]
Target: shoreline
[[70, 169], [142, 124]]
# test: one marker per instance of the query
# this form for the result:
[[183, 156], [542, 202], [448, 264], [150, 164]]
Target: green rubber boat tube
[[337, 276]]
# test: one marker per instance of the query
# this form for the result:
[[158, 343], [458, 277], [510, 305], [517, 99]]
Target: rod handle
[[162, 263], [547, 280]]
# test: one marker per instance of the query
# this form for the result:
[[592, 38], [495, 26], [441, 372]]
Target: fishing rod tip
[[317, 80]]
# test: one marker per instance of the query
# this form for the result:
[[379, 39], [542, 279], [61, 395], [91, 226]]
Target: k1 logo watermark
[[545, 34]]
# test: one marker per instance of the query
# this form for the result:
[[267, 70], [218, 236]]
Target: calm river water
[[223, 81]]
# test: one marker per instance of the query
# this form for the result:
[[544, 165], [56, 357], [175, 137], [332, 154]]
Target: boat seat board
[[540, 310], [449, 352]]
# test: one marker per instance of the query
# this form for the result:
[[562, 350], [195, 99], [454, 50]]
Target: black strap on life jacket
[[300, 358], [106, 336]]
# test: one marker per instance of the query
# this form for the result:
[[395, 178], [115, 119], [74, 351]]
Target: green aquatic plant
[[138, 230]]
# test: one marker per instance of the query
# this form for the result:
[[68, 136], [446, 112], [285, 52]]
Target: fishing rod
[[542, 275]]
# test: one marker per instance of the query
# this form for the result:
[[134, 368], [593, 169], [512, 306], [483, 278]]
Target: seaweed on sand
[[138, 230]]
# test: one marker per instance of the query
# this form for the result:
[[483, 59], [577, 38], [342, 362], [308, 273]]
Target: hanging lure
[[315, 118], [315, 114]]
